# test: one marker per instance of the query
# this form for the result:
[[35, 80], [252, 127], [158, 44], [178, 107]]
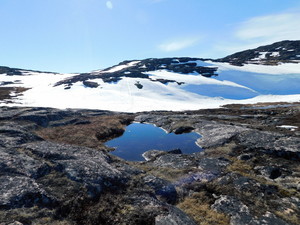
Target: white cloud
[[176, 45], [109, 5], [258, 31], [270, 28]]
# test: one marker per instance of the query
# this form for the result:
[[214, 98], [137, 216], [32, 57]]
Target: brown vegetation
[[93, 134], [198, 207]]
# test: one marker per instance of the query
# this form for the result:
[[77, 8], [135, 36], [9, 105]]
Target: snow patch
[[262, 55], [284, 68], [289, 127], [121, 67], [275, 54], [191, 79]]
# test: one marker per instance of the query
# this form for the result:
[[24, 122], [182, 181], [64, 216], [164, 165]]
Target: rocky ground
[[55, 169]]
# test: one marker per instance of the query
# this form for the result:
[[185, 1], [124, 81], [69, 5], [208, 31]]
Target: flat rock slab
[[240, 214], [80, 164], [19, 191]]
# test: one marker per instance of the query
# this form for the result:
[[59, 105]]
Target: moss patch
[[198, 207]]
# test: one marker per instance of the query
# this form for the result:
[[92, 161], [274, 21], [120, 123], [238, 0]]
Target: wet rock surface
[[248, 173]]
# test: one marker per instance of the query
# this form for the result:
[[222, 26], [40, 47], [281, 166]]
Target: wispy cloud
[[284, 26], [109, 5], [259, 31], [176, 45]]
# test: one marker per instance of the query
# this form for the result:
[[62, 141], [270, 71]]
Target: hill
[[265, 74], [279, 52]]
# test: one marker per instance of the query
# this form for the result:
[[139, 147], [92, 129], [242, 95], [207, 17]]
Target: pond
[[139, 138]]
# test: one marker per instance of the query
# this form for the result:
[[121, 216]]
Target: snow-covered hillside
[[160, 88], [274, 54]]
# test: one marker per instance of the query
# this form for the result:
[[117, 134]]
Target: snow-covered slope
[[158, 89], [266, 74]]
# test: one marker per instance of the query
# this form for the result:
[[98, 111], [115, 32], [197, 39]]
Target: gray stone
[[18, 163], [80, 164], [19, 191], [272, 142], [174, 217], [13, 134], [240, 214], [163, 189], [213, 165], [183, 129], [216, 134], [199, 177], [175, 161]]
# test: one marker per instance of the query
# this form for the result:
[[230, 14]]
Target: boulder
[[163, 189], [175, 161], [174, 217], [183, 129], [213, 165], [90, 84], [240, 213]]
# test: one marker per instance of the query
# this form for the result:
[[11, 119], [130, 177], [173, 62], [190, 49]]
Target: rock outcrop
[[138, 69], [279, 52], [248, 172]]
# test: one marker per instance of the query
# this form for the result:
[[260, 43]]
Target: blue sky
[[84, 35]]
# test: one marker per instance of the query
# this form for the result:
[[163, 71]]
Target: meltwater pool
[[139, 138]]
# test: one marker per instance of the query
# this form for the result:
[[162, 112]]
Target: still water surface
[[139, 138]]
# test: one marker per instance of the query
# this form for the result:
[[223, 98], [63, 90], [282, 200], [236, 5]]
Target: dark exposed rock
[[198, 177], [113, 132], [270, 172], [174, 217], [240, 213], [245, 157], [271, 143], [13, 135], [283, 51], [80, 164], [239, 174], [163, 189], [14, 161], [9, 71], [176, 161], [90, 84], [138, 70], [138, 85], [20, 191], [183, 129], [213, 165], [244, 185], [3, 83], [175, 151]]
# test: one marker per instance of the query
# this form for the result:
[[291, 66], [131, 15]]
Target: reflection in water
[[139, 138]]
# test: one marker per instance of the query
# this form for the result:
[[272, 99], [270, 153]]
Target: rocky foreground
[[55, 169]]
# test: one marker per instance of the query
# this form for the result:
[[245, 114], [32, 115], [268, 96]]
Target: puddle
[[139, 138]]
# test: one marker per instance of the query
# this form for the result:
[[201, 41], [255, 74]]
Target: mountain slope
[[163, 84], [283, 51]]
